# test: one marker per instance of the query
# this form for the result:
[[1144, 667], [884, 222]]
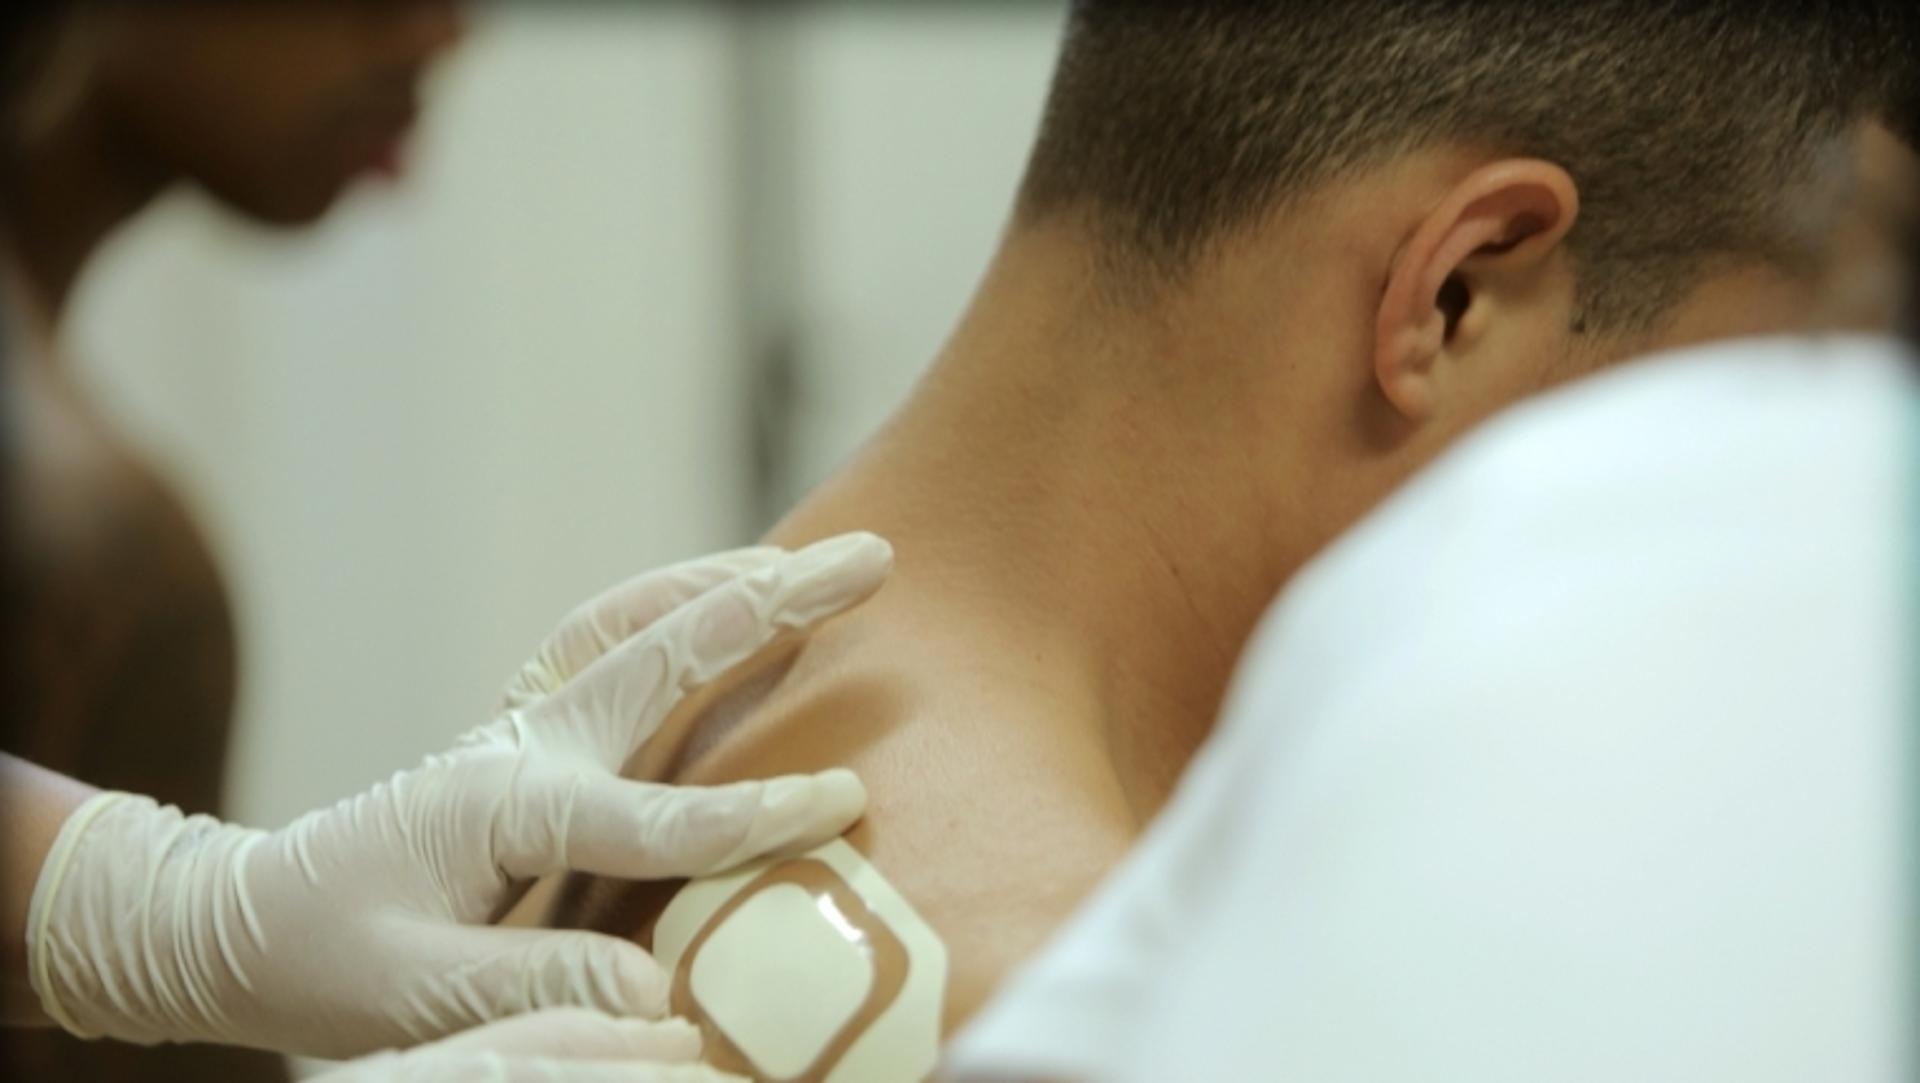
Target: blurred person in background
[[365, 926], [121, 654]]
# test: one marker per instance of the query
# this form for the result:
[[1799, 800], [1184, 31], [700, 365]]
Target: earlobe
[[1407, 343], [1509, 215]]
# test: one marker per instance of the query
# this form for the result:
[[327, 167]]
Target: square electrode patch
[[806, 969], [780, 941]]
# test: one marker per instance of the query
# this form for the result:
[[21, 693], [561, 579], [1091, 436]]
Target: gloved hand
[[561, 1045], [355, 928]]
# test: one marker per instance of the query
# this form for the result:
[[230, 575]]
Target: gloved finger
[[610, 710], [538, 1070], [478, 974], [650, 831], [432, 1066], [581, 1034], [576, 1071], [610, 618]]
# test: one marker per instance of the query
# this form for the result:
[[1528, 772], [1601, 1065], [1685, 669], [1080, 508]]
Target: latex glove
[[563, 1045], [354, 928]]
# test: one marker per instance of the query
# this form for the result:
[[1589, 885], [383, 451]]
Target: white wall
[[914, 127], [420, 434]]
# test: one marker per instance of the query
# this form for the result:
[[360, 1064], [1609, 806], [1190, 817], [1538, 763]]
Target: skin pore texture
[[1092, 502]]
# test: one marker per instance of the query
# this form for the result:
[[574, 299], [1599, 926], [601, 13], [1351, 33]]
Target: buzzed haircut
[[1690, 126]]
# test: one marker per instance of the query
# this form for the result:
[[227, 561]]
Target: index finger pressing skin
[[652, 831], [617, 705], [544, 1070], [490, 1068]]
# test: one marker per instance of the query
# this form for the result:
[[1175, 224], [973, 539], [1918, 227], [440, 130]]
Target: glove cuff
[[46, 902], [129, 934]]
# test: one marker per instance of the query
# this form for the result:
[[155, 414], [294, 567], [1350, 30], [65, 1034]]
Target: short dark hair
[[1686, 123]]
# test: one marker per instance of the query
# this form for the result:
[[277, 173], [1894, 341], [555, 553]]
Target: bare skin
[[1091, 507], [119, 657], [119, 647]]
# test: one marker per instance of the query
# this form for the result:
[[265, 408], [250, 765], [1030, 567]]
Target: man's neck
[[1095, 518], [69, 185]]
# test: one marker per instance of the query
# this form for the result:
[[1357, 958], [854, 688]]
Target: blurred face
[[273, 108]]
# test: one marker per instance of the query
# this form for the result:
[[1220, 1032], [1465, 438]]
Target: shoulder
[[116, 638]]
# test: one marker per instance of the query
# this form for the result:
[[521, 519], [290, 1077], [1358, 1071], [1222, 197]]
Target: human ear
[[1504, 217]]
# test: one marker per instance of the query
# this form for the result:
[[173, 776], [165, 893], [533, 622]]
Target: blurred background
[[655, 271]]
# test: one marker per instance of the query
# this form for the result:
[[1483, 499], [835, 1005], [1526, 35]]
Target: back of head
[[1689, 125]]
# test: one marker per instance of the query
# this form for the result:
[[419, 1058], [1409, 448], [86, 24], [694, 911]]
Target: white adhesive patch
[[785, 971], [748, 971]]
